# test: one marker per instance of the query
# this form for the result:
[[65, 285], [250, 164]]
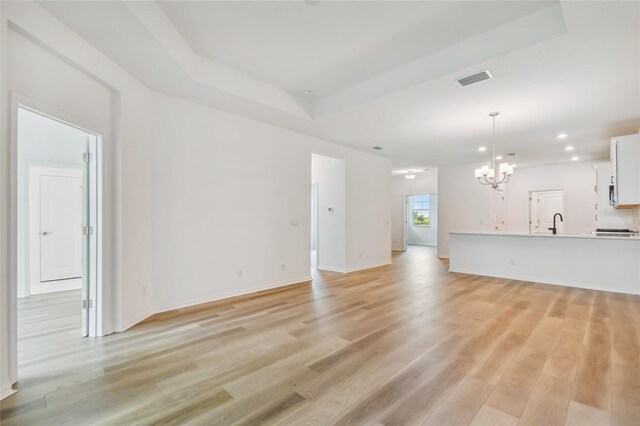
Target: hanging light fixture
[[410, 175], [492, 176]]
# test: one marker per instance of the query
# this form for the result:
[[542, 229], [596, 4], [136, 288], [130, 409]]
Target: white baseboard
[[229, 294], [198, 301], [359, 268], [331, 269], [133, 321], [6, 391], [537, 280], [362, 268]]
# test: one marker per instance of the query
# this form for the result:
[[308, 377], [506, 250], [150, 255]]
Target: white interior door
[[544, 205], [60, 227]]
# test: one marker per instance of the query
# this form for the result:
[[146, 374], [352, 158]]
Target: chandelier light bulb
[[493, 176]]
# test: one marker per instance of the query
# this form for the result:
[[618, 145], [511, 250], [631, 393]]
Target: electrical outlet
[[283, 267], [239, 273], [144, 290], [512, 262]]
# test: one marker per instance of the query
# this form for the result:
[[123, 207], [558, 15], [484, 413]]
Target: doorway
[[543, 205], [57, 220], [328, 213], [421, 220]]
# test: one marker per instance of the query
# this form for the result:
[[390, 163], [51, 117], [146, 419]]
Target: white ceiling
[[383, 73], [327, 47]]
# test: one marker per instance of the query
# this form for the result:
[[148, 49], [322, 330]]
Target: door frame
[[531, 200], [315, 224], [405, 228], [32, 250], [94, 169]]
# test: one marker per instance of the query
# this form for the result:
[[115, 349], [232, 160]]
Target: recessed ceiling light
[[306, 92], [562, 135], [575, 158], [568, 148], [499, 157], [482, 148]]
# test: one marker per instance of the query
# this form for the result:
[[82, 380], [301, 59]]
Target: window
[[421, 205]]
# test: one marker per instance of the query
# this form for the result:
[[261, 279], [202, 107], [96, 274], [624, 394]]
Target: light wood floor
[[404, 344]]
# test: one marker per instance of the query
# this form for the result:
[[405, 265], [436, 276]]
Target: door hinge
[[87, 230], [87, 157], [87, 304]]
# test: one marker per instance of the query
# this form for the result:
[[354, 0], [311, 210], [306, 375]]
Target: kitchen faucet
[[554, 230]]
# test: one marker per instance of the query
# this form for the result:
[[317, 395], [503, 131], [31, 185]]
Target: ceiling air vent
[[475, 78]]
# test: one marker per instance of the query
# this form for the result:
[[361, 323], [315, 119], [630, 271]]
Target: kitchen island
[[609, 263]]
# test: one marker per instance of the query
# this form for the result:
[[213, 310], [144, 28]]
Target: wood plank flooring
[[404, 344]]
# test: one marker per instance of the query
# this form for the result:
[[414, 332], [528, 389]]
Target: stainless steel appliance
[[608, 232]]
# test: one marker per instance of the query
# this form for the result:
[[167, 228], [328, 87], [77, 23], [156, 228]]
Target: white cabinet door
[[607, 216], [625, 156], [60, 227]]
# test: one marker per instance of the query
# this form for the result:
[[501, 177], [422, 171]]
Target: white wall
[[368, 206], [330, 176], [176, 175], [463, 204], [41, 142], [584, 262], [71, 77], [6, 308], [577, 180], [424, 183], [466, 205], [424, 235], [228, 191]]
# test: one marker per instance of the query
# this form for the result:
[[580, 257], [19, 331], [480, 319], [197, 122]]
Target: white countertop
[[524, 234]]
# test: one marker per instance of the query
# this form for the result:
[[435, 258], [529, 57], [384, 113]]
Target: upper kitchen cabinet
[[625, 159]]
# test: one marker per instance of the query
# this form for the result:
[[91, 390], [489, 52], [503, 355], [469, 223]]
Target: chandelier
[[488, 176]]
